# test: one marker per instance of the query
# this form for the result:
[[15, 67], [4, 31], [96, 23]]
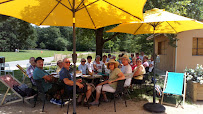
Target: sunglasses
[[83, 61]]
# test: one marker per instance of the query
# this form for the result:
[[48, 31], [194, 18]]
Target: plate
[[85, 76]]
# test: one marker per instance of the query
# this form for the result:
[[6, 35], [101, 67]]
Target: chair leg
[[114, 103], [35, 100], [124, 99], [162, 97], [44, 98]]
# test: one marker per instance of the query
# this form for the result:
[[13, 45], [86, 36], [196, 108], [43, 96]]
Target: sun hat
[[126, 57], [38, 58], [112, 61]]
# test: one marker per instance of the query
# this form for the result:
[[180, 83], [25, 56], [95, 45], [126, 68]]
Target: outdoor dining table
[[95, 78]]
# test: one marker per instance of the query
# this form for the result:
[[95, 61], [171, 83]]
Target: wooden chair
[[10, 81], [175, 84], [23, 71]]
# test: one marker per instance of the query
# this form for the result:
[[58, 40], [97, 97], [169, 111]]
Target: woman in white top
[[98, 64], [90, 65]]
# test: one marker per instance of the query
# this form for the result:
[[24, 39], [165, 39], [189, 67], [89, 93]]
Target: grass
[[26, 54]]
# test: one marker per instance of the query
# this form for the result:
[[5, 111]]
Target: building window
[[162, 48], [197, 46]]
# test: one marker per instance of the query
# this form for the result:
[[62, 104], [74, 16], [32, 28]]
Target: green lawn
[[26, 54]]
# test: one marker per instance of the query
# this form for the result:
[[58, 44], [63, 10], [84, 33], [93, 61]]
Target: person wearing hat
[[126, 69], [45, 77], [111, 84]]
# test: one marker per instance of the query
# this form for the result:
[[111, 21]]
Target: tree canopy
[[15, 33]]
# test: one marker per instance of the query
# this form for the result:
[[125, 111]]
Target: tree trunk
[[99, 41]]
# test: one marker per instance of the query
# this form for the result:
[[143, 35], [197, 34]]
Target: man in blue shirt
[[68, 80], [40, 74]]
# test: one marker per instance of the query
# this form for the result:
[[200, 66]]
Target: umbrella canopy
[[88, 13], [159, 21], [91, 14]]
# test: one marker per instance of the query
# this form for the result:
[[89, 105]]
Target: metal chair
[[120, 92]]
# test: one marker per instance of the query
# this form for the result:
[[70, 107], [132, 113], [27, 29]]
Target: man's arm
[[70, 83]]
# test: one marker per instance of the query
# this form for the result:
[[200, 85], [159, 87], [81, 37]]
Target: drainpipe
[[176, 56]]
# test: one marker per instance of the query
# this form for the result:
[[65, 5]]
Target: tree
[[15, 33], [61, 44]]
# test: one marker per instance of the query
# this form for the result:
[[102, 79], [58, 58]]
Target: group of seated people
[[117, 71]]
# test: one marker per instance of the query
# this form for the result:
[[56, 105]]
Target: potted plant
[[195, 82]]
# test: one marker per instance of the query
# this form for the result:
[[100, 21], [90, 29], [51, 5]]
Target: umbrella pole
[[154, 107], [74, 57]]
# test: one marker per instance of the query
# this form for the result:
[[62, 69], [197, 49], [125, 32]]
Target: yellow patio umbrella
[[91, 14], [158, 21]]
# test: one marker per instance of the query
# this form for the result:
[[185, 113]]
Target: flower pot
[[195, 90]]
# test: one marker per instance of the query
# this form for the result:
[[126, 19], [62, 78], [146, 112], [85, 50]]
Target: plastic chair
[[120, 92], [6, 69], [175, 84]]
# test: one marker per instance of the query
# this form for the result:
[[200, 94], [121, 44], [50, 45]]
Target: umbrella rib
[[86, 5], [138, 28], [6, 1], [90, 16], [80, 4], [64, 5], [171, 27], [70, 4], [122, 10], [50, 12]]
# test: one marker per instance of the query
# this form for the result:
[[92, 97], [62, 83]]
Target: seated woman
[[97, 64], [138, 72], [151, 65], [133, 65], [111, 84]]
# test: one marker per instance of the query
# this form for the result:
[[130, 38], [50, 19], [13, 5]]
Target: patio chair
[[120, 92], [10, 81], [40, 90], [175, 84], [6, 69], [23, 71], [25, 74]]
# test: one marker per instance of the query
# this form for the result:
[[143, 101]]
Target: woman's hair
[[138, 59]]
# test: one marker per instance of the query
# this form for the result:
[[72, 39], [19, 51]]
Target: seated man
[[60, 66], [68, 80], [30, 69], [46, 78], [82, 67]]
